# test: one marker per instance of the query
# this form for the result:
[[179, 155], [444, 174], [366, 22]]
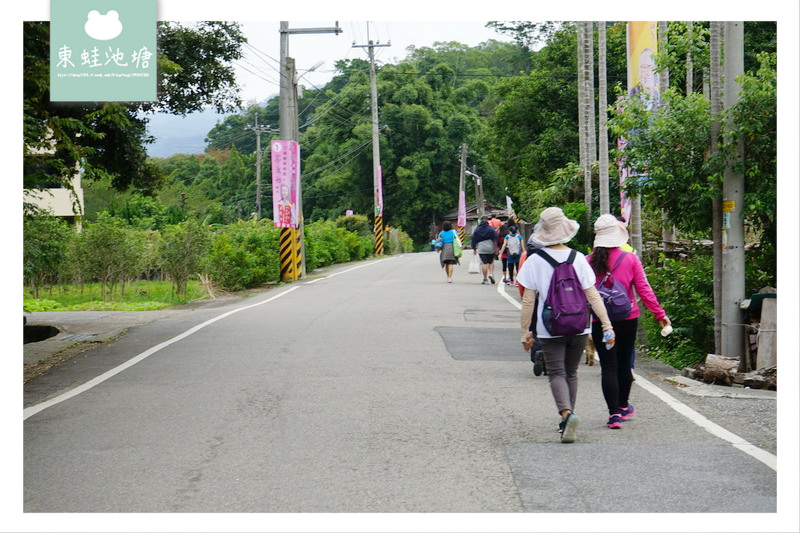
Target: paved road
[[378, 388]]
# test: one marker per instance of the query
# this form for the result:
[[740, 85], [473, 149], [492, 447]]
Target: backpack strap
[[541, 253], [553, 263], [619, 260]]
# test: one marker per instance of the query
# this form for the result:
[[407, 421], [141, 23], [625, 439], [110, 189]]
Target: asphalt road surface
[[374, 388]]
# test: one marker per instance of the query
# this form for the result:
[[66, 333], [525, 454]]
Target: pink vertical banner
[[462, 209], [379, 193], [285, 182]]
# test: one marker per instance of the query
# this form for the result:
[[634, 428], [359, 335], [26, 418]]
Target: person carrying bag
[[562, 348]]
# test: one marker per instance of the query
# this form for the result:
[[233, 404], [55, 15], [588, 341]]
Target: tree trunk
[[602, 110]]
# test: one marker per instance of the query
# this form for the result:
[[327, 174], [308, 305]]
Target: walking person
[[484, 244], [626, 269], [512, 248], [447, 254], [502, 231], [562, 352]]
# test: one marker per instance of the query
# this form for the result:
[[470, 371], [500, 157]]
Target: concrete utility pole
[[259, 130], [288, 120], [376, 151], [732, 203]]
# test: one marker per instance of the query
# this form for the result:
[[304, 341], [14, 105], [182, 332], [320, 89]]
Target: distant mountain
[[175, 134]]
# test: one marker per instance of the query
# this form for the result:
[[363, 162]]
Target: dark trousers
[[615, 373]]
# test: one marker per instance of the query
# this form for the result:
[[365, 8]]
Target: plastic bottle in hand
[[606, 338]]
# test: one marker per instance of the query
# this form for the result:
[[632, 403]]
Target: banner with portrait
[[285, 183]]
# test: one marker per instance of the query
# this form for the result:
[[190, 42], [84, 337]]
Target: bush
[[181, 249], [685, 290], [109, 252], [327, 243], [358, 224], [243, 255], [45, 243]]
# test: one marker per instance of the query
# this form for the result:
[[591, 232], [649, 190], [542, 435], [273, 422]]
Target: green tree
[[181, 251], [44, 250]]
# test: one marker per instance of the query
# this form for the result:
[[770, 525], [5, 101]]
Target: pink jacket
[[631, 274]]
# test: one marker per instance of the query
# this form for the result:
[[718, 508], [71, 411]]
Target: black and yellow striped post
[[378, 229], [287, 247], [461, 233]]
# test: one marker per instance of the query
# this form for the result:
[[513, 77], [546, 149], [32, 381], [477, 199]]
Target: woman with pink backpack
[[618, 272]]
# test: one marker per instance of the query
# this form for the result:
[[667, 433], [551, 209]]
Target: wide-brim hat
[[609, 232], [555, 227]]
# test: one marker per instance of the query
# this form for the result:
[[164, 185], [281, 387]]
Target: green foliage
[[44, 250], [685, 290], [181, 249], [358, 224], [327, 243], [243, 255], [141, 296], [110, 252]]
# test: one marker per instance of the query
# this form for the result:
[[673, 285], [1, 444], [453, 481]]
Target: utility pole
[[258, 130], [462, 200], [376, 151], [289, 131], [478, 192], [732, 203]]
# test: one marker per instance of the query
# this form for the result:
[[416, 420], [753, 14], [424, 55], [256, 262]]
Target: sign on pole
[[642, 78], [285, 183]]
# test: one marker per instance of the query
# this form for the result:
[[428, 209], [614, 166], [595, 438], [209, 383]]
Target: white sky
[[257, 72]]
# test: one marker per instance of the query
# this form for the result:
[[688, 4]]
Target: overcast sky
[[257, 70]]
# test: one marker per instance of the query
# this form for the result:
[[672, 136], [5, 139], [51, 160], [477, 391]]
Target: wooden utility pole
[[733, 285], [289, 124], [258, 130], [376, 151]]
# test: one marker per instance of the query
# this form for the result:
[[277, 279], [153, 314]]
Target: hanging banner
[[285, 182], [642, 46], [462, 210], [379, 193]]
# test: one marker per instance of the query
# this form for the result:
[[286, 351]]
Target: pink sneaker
[[628, 412], [614, 422]]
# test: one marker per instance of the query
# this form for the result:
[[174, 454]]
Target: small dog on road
[[590, 351]]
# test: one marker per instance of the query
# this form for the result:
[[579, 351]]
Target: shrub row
[[235, 256]]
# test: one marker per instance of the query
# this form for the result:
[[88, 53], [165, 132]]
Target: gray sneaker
[[570, 426]]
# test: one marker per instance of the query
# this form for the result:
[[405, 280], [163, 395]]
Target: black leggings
[[615, 373], [511, 267]]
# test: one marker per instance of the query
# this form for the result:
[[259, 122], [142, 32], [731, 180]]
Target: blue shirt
[[447, 236]]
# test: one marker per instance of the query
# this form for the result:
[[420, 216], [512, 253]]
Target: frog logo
[[103, 27]]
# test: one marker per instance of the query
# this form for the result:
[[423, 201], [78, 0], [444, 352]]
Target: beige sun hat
[[609, 232], [555, 227]]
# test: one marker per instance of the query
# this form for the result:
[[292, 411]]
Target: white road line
[[718, 431], [39, 407]]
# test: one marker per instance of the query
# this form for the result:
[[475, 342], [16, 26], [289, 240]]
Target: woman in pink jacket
[[616, 378]]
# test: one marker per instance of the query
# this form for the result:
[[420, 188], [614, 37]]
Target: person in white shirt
[[562, 353]]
